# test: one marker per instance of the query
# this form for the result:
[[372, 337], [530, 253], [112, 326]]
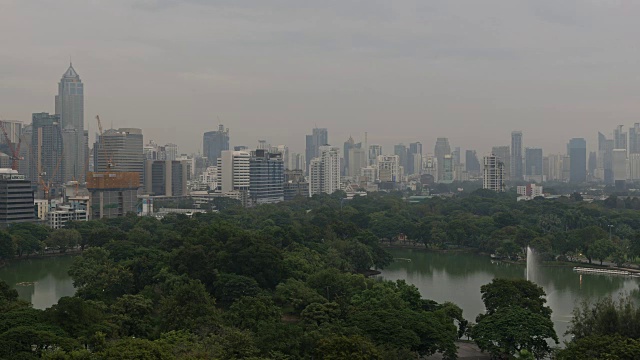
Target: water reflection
[[42, 281], [457, 277]]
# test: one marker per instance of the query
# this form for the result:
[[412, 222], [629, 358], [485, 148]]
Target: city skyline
[[429, 72]]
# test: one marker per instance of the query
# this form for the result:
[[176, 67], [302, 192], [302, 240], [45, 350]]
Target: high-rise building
[[634, 166], [13, 129], [165, 177], [516, 155], [400, 150], [493, 174], [456, 155], [430, 166], [214, 143], [266, 177], [16, 198], [448, 169], [619, 138], [172, 151], [69, 104], [47, 149], [324, 171], [557, 167], [119, 150], [504, 153], [441, 149], [620, 165], [389, 169], [112, 194], [348, 145], [578, 160], [592, 163], [295, 184], [634, 139], [319, 137], [533, 164], [472, 163], [357, 159], [604, 161], [374, 151], [414, 158]]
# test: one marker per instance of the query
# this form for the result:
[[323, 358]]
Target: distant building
[[319, 137], [504, 154], [324, 171], [69, 104], [400, 150], [13, 129], [430, 166], [389, 169], [530, 190], [266, 177], [16, 198], [357, 159], [414, 158], [295, 184], [119, 150], [493, 175], [47, 149], [533, 161], [234, 174], [620, 165], [619, 138], [165, 177], [448, 170], [578, 158], [472, 163], [214, 143], [634, 139], [57, 218], [516, 156], [374, 151], [441, 149]]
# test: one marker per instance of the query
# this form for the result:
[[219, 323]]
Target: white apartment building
[[389, 168], [324, 171], [233, 171], [493, 175]]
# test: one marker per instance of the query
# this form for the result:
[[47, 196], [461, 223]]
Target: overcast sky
[[403, 70]]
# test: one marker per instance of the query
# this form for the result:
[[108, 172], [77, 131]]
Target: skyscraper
[[533, 164], [266, 177], [214, 143], [374, 152], [324, 171], [472, 163], [319, 137], [604, 161], [414, 158], [69, 104], [389, 168], [493, 174], [47, 149], [578, 160], [516, 155], [441, 149], [634, 139], [619, 138], [504, 154], [401, 151]]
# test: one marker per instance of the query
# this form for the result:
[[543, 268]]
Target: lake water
[[457, 277], [47, 279]]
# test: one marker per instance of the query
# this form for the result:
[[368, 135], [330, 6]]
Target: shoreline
[[73, 252]]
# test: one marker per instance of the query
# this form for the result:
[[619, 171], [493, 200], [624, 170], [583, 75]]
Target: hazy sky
[[403, 70]]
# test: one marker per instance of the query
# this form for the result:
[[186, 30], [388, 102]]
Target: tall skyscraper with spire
[[70, 107]]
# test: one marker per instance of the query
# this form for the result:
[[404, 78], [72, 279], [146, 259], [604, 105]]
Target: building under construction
[[112, 194]]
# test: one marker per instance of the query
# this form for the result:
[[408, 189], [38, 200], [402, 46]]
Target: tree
[[62, 239], [132, 315], [96, 276], [601, 249], [7, 246], [601, 347], [186, 306], [249, 312], [501, 293], [354, 347]]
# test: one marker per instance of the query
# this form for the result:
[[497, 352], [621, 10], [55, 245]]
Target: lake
[[457, 277], [47, 279]]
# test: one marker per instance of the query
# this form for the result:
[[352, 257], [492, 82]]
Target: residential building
[[234, 174], [16, 198], [430, 166], [319, 137], [357, 159], [619, 138], [69, 105], [165, 178], [324, 171], [620, 165], [516, 156], [530, 190], [370, 173], [493, 174], [389, 169], [578, 164], [634, 139], [119, 150], [374, 151], [348, 145], [295, 184], [58, 217], [634, 166], [214, 143], [266, 177]]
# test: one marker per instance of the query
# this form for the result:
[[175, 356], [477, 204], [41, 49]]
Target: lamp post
[[610, 227]]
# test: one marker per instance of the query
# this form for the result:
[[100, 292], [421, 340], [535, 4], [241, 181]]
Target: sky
[[401, 70]]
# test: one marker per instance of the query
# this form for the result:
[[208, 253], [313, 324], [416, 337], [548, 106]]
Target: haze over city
[[403, 71]]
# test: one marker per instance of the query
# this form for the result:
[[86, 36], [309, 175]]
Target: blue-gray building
[[577, 150], [214, 143], [319, 137], [266, 177]]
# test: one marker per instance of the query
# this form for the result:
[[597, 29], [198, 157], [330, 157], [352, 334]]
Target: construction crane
[[46, 186], [15, 151], [110, 163]]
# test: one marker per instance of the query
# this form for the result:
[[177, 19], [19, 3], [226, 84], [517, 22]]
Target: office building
[[493, 173], [448, 170], [214, 143], [16, 198], [578, 160], [516, 156], [620, 165], [472, 163], [69, 105], [166, 177], [296, 161], [592, 164], [13, 129], [357, 159], [634, 166], [441, 149], [430, 166], [533, 170], [348, 145], [389, 169], [400, 150], [604, 160], [374, 151], [319, 137], [47, 150], [619, 138], [119, 150], [112, 194], [324, 171], [414, 157], [266, 177], [295, 184]]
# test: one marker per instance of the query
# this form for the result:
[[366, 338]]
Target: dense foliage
[[286, 281]]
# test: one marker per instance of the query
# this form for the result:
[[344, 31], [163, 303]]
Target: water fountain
[[531, 263]]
